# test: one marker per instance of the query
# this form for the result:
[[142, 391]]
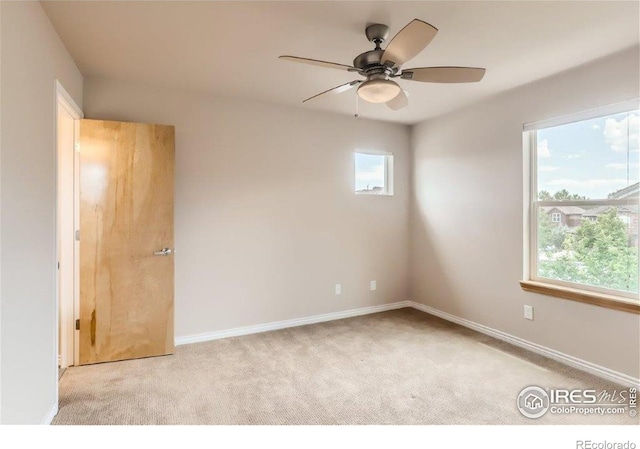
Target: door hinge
[[78, 235], [77, 325], [58, 265], [77, 145]]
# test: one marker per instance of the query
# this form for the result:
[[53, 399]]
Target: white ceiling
[[231, 48]]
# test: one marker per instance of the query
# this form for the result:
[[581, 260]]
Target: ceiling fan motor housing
[[369, 62], [368, 59]]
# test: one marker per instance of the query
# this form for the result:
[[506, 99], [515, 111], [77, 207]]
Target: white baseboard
[[208, 336], [583, 365], [52, 414]]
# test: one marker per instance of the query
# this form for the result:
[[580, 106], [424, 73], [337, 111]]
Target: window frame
[[388, 172], [605, 297]]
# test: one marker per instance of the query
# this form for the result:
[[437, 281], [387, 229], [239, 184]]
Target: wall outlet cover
[[528, 312]]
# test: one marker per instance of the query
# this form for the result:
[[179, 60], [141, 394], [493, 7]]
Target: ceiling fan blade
[[336, 90], [444, 74], [329, 65], [409, 41], [399, 101]]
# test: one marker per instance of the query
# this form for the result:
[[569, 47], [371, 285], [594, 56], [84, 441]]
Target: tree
[[602, 246], [561, 195], [550, 235], [563, 268], [564, 195], [597, 254], [543, 195]]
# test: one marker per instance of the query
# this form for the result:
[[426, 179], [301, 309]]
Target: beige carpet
[[397, 367]]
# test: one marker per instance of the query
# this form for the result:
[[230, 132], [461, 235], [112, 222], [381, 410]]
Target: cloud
[[622, 166], [572, 156], [547, 168], [595, 126], [543, 149], [624, 134]]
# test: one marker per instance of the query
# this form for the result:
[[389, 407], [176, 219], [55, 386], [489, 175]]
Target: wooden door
[[126, 215]]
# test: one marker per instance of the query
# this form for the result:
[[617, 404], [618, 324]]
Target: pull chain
[[357, 114]]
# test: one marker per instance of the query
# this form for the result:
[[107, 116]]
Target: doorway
[[68, 115]]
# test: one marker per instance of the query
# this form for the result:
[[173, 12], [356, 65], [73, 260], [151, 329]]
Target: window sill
[[597, 299]]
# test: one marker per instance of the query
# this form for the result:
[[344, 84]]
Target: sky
[[590, 157], [369, 171]]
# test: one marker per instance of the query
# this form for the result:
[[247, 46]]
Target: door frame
[[63, 334]]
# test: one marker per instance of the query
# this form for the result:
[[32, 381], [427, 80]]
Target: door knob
[[163, 252]]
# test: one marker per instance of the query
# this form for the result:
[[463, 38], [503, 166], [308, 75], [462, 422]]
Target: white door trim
[[62, 99], [63, 96]]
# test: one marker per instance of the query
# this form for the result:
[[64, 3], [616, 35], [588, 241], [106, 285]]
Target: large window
[[373, 173], [584, 202]]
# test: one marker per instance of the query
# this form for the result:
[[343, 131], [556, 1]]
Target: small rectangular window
[[556, 217], [373, 173]]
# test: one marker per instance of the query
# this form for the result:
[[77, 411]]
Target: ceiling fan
[[379, 66]]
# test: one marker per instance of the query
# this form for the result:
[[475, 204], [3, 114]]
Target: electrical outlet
[[338, 289], [372, 285], [528, 312]]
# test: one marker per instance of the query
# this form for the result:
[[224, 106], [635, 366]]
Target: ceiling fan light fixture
[[378, 90]]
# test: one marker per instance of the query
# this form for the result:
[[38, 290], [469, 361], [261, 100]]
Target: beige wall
[[266, 218], [467, 216], [32, 58]]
